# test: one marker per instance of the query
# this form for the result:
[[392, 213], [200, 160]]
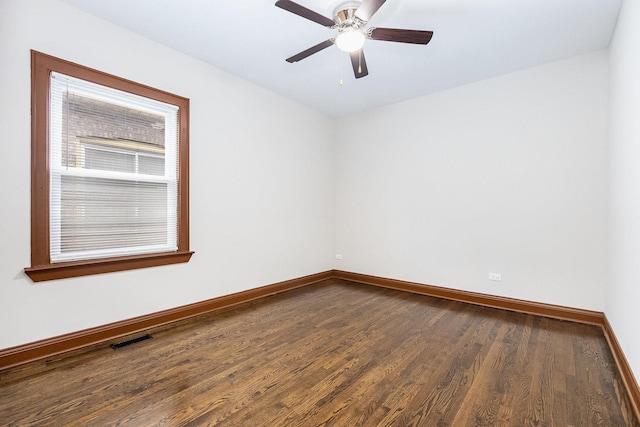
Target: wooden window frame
[[41, 267]]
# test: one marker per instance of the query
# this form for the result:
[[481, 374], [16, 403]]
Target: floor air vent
[[121, 344]]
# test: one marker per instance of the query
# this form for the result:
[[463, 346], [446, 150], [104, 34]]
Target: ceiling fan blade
[[368, 8], [401, 36], [305, 13], [314, 49], [359, 64]]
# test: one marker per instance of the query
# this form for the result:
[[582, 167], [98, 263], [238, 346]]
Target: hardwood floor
[[333, 354]]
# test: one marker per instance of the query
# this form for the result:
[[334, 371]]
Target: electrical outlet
[[338, 256], [496, 277]]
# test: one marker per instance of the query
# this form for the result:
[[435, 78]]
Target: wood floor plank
[[333, 354]]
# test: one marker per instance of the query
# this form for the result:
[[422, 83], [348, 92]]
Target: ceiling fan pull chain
[[341, 68]]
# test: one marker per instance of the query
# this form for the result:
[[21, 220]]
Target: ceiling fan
[[350, 20]]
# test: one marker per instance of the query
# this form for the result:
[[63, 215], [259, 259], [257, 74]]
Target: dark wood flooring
[[333, 354]]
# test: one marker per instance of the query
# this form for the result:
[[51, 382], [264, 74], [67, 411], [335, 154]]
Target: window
[[109, 173]]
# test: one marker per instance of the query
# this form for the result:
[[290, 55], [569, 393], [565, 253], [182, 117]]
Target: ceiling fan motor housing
[[350, 34], [344, 15]]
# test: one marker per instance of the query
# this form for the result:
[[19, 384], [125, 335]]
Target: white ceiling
[[473, 40]]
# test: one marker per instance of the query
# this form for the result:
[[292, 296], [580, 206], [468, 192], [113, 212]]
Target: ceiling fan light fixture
[[350, 39]]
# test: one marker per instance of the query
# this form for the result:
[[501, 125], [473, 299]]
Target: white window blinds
[[113, 172]]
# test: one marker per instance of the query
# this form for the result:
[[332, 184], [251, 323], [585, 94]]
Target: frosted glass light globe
[[350, 40]]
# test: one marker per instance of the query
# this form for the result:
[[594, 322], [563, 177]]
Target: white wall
[[261, 190], [623, 284], [507, 175]]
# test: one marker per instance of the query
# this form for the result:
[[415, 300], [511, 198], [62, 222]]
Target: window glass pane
[[110, 192], [109, 160], [151, 165], [104, 213], [110, 125], [101, 119]]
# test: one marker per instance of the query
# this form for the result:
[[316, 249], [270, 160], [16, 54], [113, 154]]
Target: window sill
[[65, 270]]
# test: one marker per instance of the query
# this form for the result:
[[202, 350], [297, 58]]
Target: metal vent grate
[[121, 344]]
